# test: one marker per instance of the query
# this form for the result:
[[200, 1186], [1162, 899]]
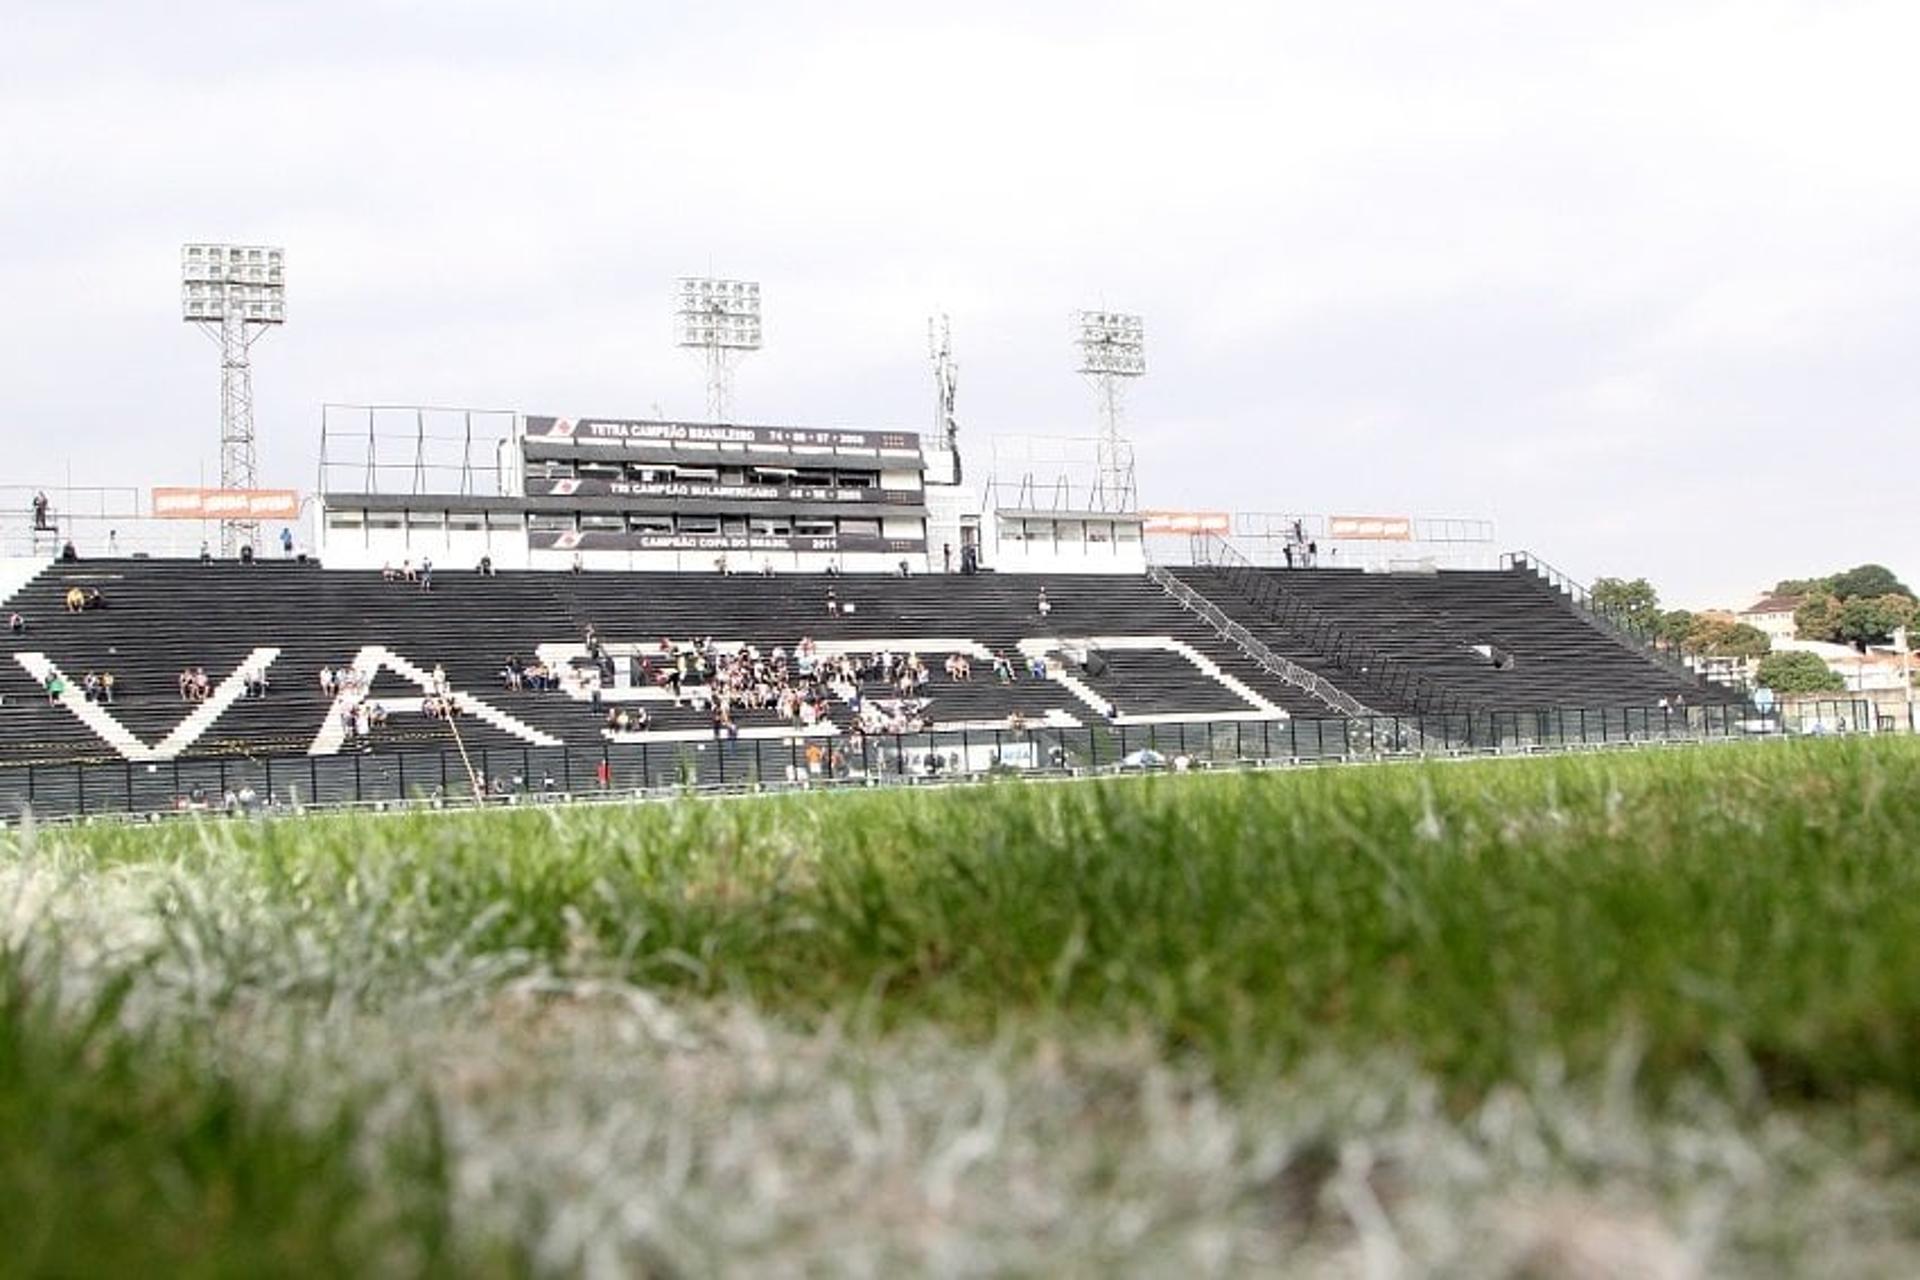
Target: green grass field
[[1644, 1014]]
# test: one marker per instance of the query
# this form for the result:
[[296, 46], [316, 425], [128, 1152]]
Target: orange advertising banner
[[1370, 528], [1185, 522], [226, 504]]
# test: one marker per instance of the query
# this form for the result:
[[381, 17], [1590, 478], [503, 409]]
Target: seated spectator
[[186, 684], [246, 553], [329, 682], [94, 600], [1043, 606], [90, 686], [68, 554], [426, 573], [833, 603], [107, 685], [206, 552], [486, 566], [388, 573], [16, 624], [55, 686], [1002, 669], [255, 682], [202, 687], [407, 571], [76, 600], [579, 565]]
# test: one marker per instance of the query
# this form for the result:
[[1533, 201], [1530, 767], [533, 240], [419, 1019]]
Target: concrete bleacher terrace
[[1162, 663], [1437, 624]]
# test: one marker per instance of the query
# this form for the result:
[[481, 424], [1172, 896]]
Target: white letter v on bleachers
[[189, 731]]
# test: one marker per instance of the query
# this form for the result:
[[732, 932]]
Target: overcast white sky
[[1639, 281]]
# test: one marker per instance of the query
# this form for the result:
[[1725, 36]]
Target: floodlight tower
[[234, 293], [1113, 350], [721, 318], [946, 387]]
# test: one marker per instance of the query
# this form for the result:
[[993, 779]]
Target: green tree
[[1867, 580], [1803, 587], [1674, 625], [1727, 639], [1635, 601], [1866, 620], [1796, 671], [1817, 618]]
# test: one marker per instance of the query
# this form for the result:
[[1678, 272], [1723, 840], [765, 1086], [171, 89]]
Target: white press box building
[[547, 492]]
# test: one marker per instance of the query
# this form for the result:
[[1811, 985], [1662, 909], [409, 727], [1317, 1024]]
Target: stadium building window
[[550, 522], [867, 527], [813, 528], [771, 528], [614, 523], [699, 524], [650, 524]]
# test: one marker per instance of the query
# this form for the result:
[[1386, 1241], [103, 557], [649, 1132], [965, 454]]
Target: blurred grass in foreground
[[1741, 920]]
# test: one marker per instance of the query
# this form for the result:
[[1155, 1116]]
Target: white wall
[[17, 571]]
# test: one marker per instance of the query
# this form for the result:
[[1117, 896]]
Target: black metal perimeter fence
[[443, 774]]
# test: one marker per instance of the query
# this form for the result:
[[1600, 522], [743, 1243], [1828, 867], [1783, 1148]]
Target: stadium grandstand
[[579, 603]]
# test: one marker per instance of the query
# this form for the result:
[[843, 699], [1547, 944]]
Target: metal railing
[[1286, 669], [515, 775], [1364, 664]]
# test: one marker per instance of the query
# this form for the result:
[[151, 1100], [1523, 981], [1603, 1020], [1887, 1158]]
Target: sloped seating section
[[1503, 640], [160, 617]]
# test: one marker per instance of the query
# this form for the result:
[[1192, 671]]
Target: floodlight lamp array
[[711, 312], [247, 282], [1112, 342]]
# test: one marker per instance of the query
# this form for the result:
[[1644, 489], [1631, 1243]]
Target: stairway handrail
[[1277, 664]]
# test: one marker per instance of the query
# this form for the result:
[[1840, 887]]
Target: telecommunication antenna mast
[[946, 386], [234, 293], [1113, 350], [721, 318]]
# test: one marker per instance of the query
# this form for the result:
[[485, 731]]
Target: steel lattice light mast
[[1113, 350], [234, 293], [721, 318]]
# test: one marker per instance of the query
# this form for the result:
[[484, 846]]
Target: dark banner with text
[[720, 543], [638, 431], [599, 487]]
